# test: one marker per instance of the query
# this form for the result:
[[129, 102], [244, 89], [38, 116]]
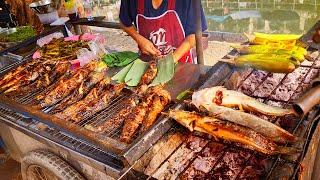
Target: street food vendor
[[161, 26]]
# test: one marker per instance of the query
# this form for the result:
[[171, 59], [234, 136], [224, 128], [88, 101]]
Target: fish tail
[[287, 150]]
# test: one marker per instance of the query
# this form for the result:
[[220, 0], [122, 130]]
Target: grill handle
[[309, 99]]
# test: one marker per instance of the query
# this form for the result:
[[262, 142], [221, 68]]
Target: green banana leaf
[[120, 59], [121, 75], [165, 70], [135, 73]]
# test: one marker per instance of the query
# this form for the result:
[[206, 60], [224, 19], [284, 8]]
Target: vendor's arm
[[188, 43], [145, 45]]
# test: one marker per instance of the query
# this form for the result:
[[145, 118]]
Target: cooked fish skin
[[101, 103], [160, 100], [46, 79], [59, 82], [93, 95], [264, 127], [81, 92], [150, 74], [18, 72], [63, 90], [229, 131], [116, 121], [230, 98]]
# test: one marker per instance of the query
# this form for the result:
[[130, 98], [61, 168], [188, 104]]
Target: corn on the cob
[[277, 37], [296, 52], [268, 62]]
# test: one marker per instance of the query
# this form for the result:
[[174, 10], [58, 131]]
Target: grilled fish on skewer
[[229, 131], [93, 95], [150, 74], [228, 98], [102, 102], [261, 126], [63, 90], [160, 100], [78, 94]]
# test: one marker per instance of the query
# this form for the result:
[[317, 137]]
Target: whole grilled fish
[[81, 92], [93, 95], [264, 127], [229, 131], [116, 121], [101, 103], [45, 79], [63, 90], [18, 72], [150, 74], [221, 96], [160, 100]]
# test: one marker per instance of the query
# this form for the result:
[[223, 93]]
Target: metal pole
[[197, 6]]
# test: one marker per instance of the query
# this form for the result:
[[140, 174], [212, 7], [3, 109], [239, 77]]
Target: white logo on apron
[[158, 38]]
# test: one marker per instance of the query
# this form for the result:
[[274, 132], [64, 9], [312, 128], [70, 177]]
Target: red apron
[[165, 31]]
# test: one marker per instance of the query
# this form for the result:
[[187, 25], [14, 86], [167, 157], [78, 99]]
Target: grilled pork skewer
[[228, 98], [63, 90], [229, 131], [46, 78], [78, 94]]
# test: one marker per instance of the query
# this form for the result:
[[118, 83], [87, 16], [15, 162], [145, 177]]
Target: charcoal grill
[[266, 87], [120, 161]]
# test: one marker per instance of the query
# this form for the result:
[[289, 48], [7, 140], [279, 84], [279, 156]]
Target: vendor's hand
[[147, 47]]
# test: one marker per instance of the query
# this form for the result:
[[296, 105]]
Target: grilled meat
[[25, 77], [98, 98], [46, 78], [229, 131], [81, 92], [66, 88], [18, 72], [150, 74], [160, 101], [115, 122], [259, 125], [228, 98]]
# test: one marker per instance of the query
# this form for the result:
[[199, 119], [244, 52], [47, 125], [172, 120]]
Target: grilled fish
[[150, 74], [228, 98], [46, 78], [18, 72], [97, 100], [102, 102], [266, 128], [160, 100], [78, 94], [64, 89], [93, 95], [229, 131], [25, 78], [115, 122]]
